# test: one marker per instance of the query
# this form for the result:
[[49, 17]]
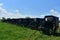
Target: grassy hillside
[[13, 32]]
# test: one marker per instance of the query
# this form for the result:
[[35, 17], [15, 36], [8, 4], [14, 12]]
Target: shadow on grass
[[46, 32], [49, 34], [56, 34]]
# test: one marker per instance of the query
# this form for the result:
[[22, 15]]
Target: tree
[[3, 19], [27, 17]]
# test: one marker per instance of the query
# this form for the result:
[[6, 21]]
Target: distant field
[[13, 32]]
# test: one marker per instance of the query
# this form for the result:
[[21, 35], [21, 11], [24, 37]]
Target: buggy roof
[[51, 16]]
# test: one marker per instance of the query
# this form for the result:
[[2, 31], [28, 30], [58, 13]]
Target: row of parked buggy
[[47, 23]]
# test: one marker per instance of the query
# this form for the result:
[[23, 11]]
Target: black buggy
[[51, 23]]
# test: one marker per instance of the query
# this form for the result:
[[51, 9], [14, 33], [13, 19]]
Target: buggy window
[[49, 19]]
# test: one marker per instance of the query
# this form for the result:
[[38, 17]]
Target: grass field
[[13, 32]]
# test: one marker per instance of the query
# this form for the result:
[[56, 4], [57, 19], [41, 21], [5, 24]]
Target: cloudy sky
[[31, 8]]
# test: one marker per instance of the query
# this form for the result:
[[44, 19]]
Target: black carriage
[[51, 23]]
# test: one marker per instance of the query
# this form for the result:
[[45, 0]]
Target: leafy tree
[[3, 19]]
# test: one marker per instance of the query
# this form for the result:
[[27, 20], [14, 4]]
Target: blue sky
[[32, 7]]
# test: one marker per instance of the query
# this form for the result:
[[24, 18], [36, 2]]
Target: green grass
[[13, 32]]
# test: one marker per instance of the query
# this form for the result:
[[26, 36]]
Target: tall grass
[[13, 32]]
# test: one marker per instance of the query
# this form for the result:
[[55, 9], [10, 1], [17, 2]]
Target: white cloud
[[2, 10], [55, 13], [6, 14], [17, 11], [1, 4], [17, 14]]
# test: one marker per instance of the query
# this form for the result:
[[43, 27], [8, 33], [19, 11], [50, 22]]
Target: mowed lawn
[[13, 32]]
